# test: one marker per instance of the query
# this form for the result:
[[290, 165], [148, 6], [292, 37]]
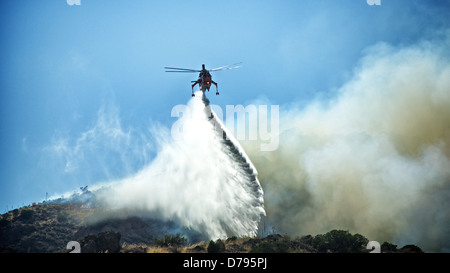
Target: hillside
[[49, 227]]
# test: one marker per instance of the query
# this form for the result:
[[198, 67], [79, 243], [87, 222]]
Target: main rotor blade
[[185, 69], [226, 67]]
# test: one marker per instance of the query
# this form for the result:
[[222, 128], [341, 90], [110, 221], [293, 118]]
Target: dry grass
[[237, 245], [196, 248], [159, 249], [134, 248]]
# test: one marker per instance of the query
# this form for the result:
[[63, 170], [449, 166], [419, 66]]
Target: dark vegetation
[[216, 247], [171, 240], [339, 241], [49, 227]]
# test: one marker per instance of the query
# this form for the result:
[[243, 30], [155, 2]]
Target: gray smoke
[[375, 159], [198, 179]]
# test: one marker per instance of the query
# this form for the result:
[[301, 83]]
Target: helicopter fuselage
[[204, 78]]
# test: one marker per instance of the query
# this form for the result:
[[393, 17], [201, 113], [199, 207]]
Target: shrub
[[231, 239], [271, 247], [170, 240], [388, 247], [411, 249], [4, 222], [339, 241], [62, 217], [216, 247], [26, 214]]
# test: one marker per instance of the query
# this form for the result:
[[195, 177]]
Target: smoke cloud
[[373, 160], [198, 179]]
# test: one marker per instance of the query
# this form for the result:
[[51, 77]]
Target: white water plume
[[198, 179]]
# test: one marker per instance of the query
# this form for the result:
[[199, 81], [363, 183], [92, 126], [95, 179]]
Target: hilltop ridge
[[47, 228]]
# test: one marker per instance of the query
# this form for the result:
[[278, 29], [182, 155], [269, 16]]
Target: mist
[[198, 179], [374, 159]]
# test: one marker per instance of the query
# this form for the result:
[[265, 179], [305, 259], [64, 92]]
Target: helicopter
[[204, 78]]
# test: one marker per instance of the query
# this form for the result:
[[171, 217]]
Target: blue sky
[[78, 83]]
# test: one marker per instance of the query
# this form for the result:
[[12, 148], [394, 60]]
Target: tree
[[216, 247], [339, 241], [388, 247]]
